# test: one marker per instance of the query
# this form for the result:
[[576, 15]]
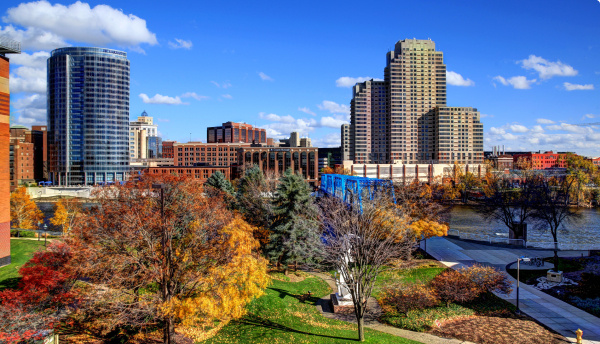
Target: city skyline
[[292, 68]]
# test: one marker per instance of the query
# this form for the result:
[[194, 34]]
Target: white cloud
[[456, 79], [547, 69], [509, 136], [34, 38], [483, 115], [589, 115], [517, 128], [306, 110], [332, 122], [544, 121], [329, 140], [518, 82], [277, 118], [265, 77], [160, 99], [334, 107], [537, 129], [163, 120], [35, 60], [228, 96], [194, 95], [598, 73], [497, 131], [31, 109], [572, 87], [180, 44], [100, 25], [28, 80], [347, 81], [284, 125], [221, 85]]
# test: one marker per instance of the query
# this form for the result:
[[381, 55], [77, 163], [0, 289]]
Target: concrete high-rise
[[140, 133], [7, 46], [88, 115], [396, 120], [347, 142], [294, 139]]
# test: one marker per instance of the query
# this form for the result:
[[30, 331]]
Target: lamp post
[[518, 276], [45, 235]]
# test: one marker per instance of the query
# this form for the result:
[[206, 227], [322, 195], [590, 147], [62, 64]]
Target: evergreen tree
[[295, 235], [217, 180], [253, 199]]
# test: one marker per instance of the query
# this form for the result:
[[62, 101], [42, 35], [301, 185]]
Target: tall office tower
[[368, 117], [347, 142], [7, 46], [139, 133], [395, 120], [88, 115], [294, 139], [459, 135]]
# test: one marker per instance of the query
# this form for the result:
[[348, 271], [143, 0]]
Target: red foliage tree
[[42, 294]]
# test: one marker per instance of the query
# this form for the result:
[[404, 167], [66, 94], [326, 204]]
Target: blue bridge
[[353, 190]]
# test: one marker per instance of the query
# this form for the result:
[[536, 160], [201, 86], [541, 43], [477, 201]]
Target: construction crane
[[585, 124]]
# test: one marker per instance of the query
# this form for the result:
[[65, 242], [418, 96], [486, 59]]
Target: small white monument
[[342, 300]]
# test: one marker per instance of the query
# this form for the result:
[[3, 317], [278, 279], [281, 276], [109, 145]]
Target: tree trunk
[[295, 266], [168, 330], [556, 258], [360, 320]]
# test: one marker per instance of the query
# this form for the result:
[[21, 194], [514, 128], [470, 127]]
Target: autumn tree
[[43, 294], [253, 200], [464, 180], [420, 201], [336, 170], [65, 213], [359, 242], [582, 171], [159, 252], [24, 213], [295, 233]]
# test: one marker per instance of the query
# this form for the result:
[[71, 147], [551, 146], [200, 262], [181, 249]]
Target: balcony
[[9, 46]]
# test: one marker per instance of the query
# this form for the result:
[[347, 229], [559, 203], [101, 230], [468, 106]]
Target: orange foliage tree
[[24, 213], [427, 229], [165, 256], [65, 213]]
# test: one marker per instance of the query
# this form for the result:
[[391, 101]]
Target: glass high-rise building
[[88, 115]]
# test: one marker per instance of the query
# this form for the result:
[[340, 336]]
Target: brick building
[[28, 155], [302, 160], [231, 132], [502, 162], [595, 161], [168, 152], [210, 154], [7, 46], [199, 173], [542, 161]]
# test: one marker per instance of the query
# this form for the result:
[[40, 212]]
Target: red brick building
[[7, 46], [542, 161], [28, 155], [596, 161], [167, 149], [210, 154], [199, 173], [231, 132]]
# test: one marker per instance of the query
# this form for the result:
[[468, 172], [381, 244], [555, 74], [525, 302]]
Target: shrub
[[22, 234], [590, 305], [488, 278], [588, 287], [452, 286], [410, 297]]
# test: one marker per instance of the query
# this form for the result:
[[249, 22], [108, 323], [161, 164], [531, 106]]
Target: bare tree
[[552, 208], [361, 241]]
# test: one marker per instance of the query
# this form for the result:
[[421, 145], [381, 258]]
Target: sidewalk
[[556, 314]]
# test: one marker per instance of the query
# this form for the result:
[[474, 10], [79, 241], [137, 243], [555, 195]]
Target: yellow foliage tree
[[65, 213], [240, 281], [24, 213], [428, 229]]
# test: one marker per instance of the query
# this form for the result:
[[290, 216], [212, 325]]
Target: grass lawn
[[21, 251], [280, 316]]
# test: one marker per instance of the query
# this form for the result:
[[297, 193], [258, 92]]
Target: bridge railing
[[353, 189]]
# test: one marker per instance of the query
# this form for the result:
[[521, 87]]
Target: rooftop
[[9, 46]]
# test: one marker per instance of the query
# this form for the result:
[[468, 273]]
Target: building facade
[[294, 139], [231, 132], [7, 46], [302, 160], [457, 135], [88, 115], [198, 173], [329, 157], [210, 154], [27, 150], [347, 142], [541, 161], [305, 142], [140, 132], [394, 120]]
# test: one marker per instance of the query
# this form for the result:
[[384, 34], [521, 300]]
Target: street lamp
[[522, 258], [45, 235]]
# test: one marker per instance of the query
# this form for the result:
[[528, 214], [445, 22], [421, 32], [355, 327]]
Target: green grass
[[20, 252], [280, 317], [423, 274]]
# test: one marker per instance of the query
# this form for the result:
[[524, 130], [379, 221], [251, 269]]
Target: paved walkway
[[552, 312], [373, 311]]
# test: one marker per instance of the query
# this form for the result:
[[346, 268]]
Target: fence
[[487, 238]]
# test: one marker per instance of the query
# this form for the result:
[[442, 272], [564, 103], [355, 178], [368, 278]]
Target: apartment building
[[459, 136], [394, 120], [28, 155], [541, 161], [211, 154], [347, 142], [294, 140], [140, 133]]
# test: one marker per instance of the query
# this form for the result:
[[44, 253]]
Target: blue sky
[[530, 67]]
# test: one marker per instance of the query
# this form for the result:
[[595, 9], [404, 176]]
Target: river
[[583, 234]]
